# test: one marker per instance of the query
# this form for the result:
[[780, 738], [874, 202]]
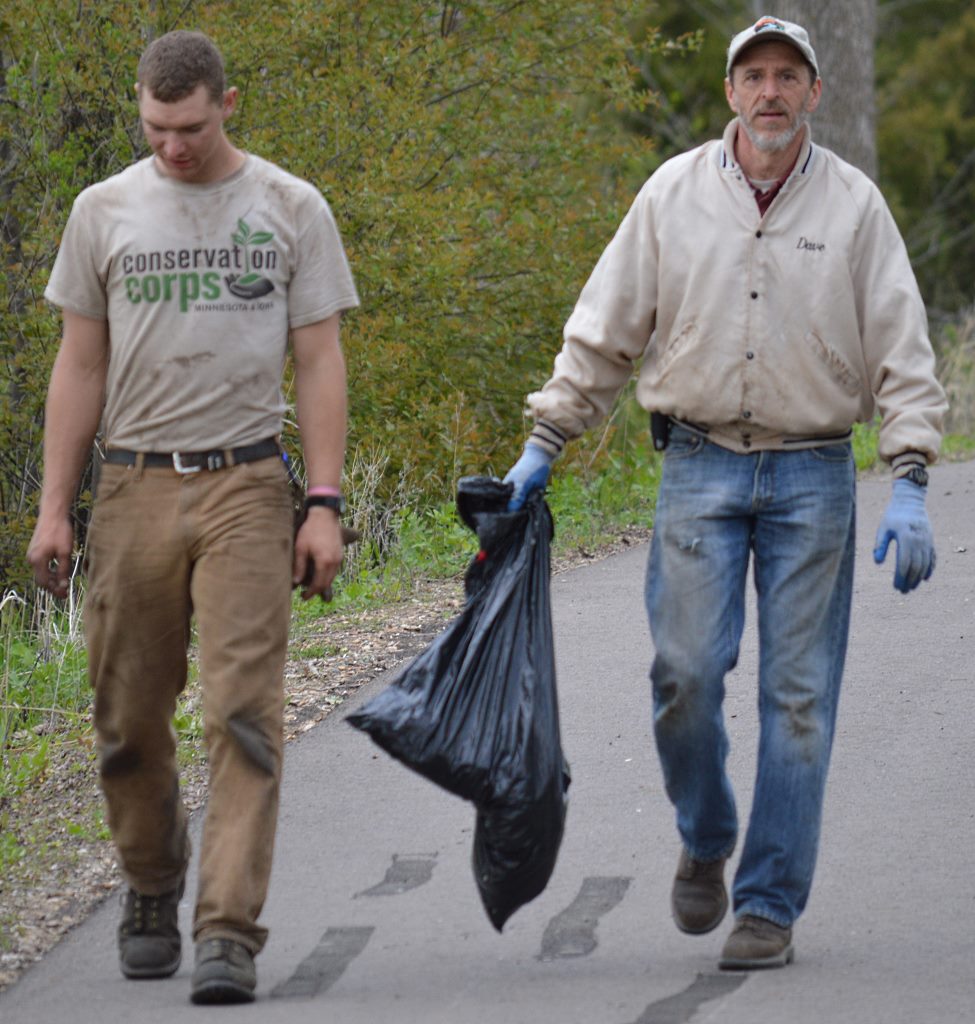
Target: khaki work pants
[[162, 548]]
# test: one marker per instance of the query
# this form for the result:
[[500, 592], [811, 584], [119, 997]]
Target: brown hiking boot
[[698, 899], [148, 935], [756, 942], [224, 973]]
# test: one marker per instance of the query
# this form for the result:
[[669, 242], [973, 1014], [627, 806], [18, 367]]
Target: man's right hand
[[529, 473], [49, 553]]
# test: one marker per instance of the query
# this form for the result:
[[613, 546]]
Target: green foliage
[[472, 188], [687, 101], [926, 142], [188, 723], [63, 124], [865, 440], [24, 766], [89, 829], [434, 542], [958, 446], [42, 687]]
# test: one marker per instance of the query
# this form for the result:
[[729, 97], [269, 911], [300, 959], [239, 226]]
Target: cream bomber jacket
[[769, 332]]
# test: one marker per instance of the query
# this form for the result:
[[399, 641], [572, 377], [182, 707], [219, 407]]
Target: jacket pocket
[[676, 344], [839, 369]]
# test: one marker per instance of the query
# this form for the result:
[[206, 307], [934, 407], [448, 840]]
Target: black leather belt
[[194, 462]]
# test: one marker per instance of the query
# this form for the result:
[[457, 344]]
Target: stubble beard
[[778, 141]]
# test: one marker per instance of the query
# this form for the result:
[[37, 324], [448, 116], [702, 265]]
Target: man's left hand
[[906, 522], [318, 553]]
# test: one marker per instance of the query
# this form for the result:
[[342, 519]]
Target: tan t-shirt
[[200, 285]]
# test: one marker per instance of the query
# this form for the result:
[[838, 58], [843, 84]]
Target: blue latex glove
[[529, 473], [906, 522]]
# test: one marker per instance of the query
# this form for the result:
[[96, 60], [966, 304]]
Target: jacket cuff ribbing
[[548, 437], [903, 463]]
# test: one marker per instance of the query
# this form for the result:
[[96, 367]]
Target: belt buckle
[[181, 469]]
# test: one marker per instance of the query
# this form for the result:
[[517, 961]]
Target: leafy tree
[[926, 143], [62, 125], [683, 67]]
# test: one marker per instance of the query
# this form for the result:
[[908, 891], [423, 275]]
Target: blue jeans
[[795, 512]]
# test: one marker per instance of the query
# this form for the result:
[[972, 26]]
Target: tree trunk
[[843, 34]]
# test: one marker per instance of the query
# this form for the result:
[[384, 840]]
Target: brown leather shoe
[[698, 899], [756, 942]]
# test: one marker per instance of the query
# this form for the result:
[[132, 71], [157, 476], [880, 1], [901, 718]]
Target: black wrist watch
[[333, 501], [917, 475]]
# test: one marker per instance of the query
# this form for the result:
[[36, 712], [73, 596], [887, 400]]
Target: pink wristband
[[323, 491]]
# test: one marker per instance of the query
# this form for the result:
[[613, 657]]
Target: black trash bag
[[476, 712]]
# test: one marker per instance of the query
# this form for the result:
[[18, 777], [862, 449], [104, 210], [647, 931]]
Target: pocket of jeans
[[841, 452], [111, 480], [683, 443], [271, 471], [269, 479]]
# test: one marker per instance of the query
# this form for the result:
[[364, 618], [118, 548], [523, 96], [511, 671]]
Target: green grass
[[958, 446]]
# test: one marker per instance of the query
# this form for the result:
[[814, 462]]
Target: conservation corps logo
[[252, 285], [206, 279]]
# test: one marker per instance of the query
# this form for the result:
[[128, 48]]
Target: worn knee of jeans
[[686, 696], [672, 697], [802, 723]]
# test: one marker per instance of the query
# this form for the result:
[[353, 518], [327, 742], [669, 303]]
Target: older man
[[764, 286]]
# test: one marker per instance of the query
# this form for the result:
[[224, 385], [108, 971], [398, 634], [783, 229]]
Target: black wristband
[[333, 501]]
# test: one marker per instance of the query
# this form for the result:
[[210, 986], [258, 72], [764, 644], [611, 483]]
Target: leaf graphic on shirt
[[242, 237], [248, 279]]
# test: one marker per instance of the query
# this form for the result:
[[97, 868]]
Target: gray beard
[[775, 143]]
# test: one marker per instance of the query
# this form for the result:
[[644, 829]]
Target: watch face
[[335, 502], [918, 475]]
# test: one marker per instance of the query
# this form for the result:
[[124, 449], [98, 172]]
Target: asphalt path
[[375, 918]]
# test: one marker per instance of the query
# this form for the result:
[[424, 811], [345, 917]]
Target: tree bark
[[843, 34]]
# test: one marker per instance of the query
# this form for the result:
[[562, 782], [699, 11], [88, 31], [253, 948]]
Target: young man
[[765, 287], [180, 281]]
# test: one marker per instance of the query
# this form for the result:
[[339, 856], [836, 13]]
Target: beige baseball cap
[[767, 28]]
